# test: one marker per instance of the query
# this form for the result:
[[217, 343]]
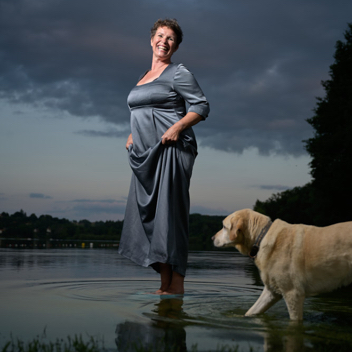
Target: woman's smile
[[164, 43]]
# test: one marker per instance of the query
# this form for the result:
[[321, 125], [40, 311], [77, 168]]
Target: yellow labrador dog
[[295, 261]]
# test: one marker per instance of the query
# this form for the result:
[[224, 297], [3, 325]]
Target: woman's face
[[164, 43]]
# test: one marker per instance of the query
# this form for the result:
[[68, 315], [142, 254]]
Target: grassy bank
[[78, 344]]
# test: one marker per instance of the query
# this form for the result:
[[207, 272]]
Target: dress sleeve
[[186, 85]]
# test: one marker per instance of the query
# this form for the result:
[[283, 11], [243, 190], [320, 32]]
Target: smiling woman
[[164, 43], [162, 149]]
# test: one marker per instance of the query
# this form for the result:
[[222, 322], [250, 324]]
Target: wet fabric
[[155, 227]]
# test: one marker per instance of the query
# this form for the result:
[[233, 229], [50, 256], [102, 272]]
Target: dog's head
[[240, 229]]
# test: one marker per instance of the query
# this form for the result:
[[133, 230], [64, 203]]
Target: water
[[96, 292]]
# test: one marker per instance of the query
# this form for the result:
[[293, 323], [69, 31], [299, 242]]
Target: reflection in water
[[166, 331], [163, 333], [298, 336], [56, 288], [279, 336]]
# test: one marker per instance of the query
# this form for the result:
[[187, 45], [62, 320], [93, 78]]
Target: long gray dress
[[155, 227]]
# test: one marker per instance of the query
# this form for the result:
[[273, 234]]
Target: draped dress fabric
[[156, 220]]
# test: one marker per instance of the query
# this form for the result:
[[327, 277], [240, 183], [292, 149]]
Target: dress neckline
[[141, 85]]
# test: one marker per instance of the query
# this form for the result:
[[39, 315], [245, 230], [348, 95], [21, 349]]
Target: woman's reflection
[[165, 332]]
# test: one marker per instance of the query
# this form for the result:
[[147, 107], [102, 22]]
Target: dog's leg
[[294, 302], [266, 300]]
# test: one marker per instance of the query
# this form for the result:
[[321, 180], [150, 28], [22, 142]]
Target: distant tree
[[20, 215], [201, 229], [33, 218], [331, 146], [85, 223], [5, 220], [293, 205]]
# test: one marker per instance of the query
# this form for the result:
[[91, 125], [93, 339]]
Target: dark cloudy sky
[[67, 66]]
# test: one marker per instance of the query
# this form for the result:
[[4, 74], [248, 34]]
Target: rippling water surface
[[96, 292]]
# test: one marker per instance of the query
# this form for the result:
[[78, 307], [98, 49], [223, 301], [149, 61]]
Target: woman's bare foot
[[177, 285], [160, 291], [171, 281], [166, 278], [171, 292]]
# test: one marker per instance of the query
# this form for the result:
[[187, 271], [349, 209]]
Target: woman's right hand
[[129, 141]]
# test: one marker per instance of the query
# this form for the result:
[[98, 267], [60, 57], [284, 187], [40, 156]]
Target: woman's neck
[[159, 65]]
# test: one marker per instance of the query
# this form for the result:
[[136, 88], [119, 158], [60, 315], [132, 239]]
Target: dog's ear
[[239, 226], [236, 228]]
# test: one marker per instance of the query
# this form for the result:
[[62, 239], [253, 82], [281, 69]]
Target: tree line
[[327, 198], [44, 227]]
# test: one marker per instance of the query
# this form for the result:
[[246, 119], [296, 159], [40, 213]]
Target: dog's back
[[312, 259]]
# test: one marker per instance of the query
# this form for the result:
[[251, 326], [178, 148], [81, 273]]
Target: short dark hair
[[169, 23]]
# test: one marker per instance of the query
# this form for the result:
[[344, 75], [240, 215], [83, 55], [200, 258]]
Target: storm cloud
[[260, 63], [39, 196]]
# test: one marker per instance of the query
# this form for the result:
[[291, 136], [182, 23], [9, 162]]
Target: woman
[[162, 149]]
